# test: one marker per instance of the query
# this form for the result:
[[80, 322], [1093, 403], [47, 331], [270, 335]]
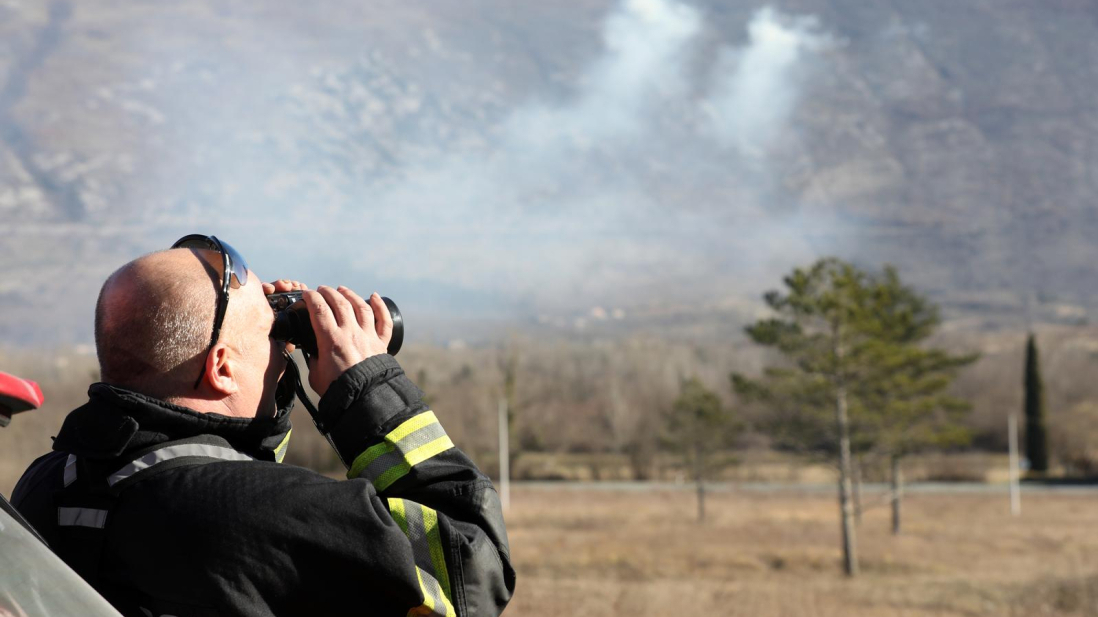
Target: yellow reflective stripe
[[280, 451], [438, 557], [408, 427], [370, 455], [428, 450], [412, 459], [396, 506], [402, 449], [427, 551], [428, 601], [429, 607], [422, 609], [448, 607]]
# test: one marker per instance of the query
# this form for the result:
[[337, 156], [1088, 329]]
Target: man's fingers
[[348, 330], [339, 305], [363, 312], [282, 286], [384, 321], [320, 315], [314, 374]]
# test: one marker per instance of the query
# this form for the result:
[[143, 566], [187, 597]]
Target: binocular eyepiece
[[292, 323]]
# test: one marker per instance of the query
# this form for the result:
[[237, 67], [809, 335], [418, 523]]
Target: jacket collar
[[115, 421]]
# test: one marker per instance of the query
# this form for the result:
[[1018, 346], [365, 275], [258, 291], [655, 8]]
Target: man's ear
[[221, 370]]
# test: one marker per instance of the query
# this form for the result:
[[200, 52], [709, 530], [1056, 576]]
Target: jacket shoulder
[[45, 473], [35, 492]]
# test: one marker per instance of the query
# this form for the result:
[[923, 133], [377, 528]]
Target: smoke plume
[[650, 170]]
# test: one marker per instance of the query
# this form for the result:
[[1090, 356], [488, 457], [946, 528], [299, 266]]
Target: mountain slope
[[525, 160]]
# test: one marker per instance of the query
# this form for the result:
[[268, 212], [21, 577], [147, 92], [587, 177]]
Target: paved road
[[778, 487]]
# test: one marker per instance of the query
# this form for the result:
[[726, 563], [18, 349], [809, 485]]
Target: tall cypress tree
[[1036, 433]]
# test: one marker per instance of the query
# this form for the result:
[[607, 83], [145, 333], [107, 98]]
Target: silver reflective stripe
[[420, 524], [416, 439], [429, 586], [70, 470], [166, 454], [81, 517], [417, 535]]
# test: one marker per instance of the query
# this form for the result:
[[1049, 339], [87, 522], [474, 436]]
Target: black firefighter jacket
[[167, 511]]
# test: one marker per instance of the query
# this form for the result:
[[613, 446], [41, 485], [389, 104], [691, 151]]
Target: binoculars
[[292, 323]]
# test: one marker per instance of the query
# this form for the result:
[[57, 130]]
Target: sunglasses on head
[[233, 268]]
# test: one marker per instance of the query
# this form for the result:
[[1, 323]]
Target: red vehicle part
[[17, 395]]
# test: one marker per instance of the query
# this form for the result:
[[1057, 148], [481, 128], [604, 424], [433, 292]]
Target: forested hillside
[[535, 161]]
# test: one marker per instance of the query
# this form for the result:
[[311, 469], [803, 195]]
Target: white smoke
[[559, 209], [754, 89], [649, 173], [646, 44]]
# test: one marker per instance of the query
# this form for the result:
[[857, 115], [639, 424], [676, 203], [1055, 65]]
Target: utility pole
[[1015, 490], [897, 494], [504, 457]]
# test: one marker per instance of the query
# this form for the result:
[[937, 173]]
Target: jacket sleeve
[[377, 421]]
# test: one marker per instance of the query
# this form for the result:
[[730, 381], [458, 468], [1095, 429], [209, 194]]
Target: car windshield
[[34, 582]]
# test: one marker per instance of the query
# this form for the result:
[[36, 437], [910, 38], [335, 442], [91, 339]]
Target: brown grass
[[581, 552]]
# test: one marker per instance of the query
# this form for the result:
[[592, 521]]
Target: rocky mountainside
[[624, 162]]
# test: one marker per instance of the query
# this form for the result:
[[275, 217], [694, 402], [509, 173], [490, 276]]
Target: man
[[167, 494]]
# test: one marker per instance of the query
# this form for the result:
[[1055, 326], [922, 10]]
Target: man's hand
[[348, 330], [282, 286]]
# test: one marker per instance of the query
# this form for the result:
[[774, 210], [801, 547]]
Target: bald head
[[154, 319]]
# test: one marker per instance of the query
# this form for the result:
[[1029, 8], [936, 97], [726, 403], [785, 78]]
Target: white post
[[1015, 490], [504, 457]]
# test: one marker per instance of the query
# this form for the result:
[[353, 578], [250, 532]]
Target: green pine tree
[[856, 378], [1036, 433], [903, 388], [699, 427], [821, 326]]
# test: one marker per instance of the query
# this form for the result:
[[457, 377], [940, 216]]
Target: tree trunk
[[701, 485], [897, 494], [846, 509], [640, 459], [850, 556], [858, 492]]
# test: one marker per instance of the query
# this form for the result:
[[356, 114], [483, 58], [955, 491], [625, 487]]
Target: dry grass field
[[589, 552]]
